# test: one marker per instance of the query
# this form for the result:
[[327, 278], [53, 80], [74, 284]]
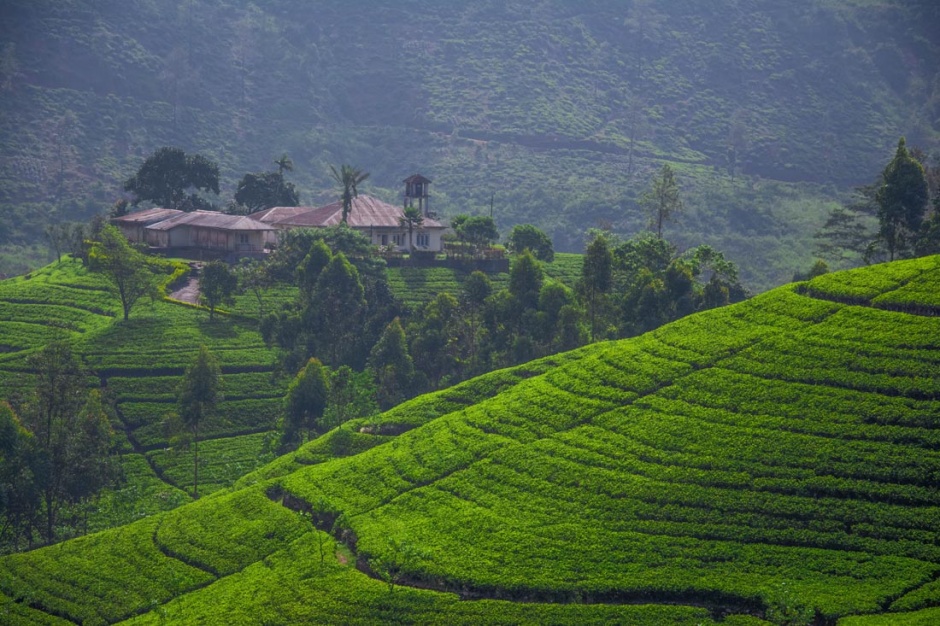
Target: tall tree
[[125, 268], [392, 367], [662, 200], [525, 280], [169, 177], [304, 403], [72, 432], [902, 201], [217, 285], [349, 179], [20, 495], [596, 277], [338, 303], [476, 290], [411, 218], [198, 394]]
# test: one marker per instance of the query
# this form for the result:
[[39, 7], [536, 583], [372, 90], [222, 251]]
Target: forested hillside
[[557, 113], [772, 461]]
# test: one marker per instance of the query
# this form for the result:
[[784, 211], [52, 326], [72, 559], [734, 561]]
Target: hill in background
[[773, 459], [557, 113]]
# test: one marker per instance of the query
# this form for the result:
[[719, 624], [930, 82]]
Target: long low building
[[204, 230], [380, 221]]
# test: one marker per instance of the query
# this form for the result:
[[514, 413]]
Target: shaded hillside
[[559, 112], [773, 459]]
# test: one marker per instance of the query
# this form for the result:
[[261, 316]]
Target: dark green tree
[[437, 343], [72, 432], [198, 394], [902, 201], [338, 304], [476, 289], [169, 178], [392, 367], [217, 285], [662, 200], [263, 190], [313, 264], [125, 268], [349, 178], [305, 403], [596, 278], [479, 231], [528, 237], [20, 491], [525, 280]]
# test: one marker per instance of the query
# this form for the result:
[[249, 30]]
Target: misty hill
[[773, 459], [557, 112]]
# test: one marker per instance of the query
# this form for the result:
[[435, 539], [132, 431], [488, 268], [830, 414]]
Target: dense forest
[[556, 114]]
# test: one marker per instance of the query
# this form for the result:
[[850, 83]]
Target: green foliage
[[217, 285], [126, 268], [264, 190], [305, 403], [199, 393], [528, 237], [349, 178], [902, 200], [169, 174], [479, 230], [392, 367]]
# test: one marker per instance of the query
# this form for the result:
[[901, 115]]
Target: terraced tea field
[[139, 362], [773, 461]]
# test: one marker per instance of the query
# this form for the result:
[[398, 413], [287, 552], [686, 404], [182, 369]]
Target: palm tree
[[284, 164], [411, 218], [350, 178]]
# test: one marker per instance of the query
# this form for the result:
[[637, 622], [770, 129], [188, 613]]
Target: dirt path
[[190, 291]]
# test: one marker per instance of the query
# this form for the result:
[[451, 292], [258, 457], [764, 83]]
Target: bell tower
[[417, 193]]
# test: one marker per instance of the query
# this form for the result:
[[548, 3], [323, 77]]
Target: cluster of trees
[[347, 326], [172, 179], [896, 217], [56, 451]]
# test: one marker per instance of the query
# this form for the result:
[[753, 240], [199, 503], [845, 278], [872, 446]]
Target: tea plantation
[[139, 363], [774, 461]]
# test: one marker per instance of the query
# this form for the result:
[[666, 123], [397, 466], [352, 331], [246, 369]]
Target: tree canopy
[[263, 190], [169, 178], [528, 237], [902, 201], [349, 178], [127, 269]]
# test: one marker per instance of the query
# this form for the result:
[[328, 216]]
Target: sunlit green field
[[773, 461]]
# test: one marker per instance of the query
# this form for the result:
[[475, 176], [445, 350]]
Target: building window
[[384, 240], [424, 240], [398, 240], [243, 238]]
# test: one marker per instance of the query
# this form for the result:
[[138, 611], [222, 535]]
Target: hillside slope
[[558, 112], [773, 459]]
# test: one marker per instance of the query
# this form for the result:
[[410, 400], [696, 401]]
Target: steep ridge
[[776, 458]]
